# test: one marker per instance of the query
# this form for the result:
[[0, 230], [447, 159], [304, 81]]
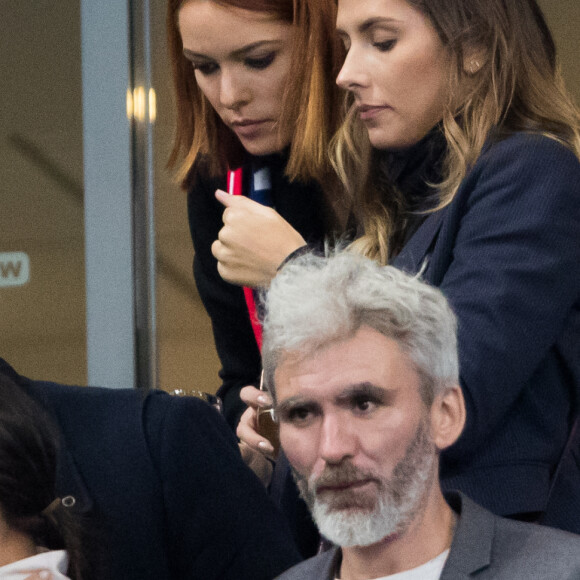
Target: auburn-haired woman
[[255, 92], [461, 152]]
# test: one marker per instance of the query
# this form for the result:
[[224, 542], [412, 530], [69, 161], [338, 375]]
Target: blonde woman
[[461, 154]]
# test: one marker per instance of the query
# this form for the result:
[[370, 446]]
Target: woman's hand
[[247, 430], [258, 463], [253, 241]]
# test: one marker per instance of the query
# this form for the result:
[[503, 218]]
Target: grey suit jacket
[[485, 547]]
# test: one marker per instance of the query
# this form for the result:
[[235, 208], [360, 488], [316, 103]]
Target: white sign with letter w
[[14, 269]]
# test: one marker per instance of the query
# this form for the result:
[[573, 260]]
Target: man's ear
[[447, 417]]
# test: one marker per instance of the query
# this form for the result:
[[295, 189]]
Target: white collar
[[55, 562]]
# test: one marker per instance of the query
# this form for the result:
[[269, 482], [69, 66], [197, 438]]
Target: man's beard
[[359, 518]]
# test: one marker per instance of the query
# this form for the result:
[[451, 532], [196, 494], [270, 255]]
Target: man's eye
[[262, 62], [206, 68], [363, 403], [299, 415]]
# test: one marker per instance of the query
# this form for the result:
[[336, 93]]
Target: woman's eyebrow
[[236, 53], [366, 25], [190, 54], [254, 45]]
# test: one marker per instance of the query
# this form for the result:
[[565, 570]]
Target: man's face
[[357, 434]]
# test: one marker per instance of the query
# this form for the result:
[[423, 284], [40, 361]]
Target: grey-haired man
[[362, 363]]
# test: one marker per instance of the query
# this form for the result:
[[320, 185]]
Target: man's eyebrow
[[287, 404], [356, 389], [236, 53], [366, 388]]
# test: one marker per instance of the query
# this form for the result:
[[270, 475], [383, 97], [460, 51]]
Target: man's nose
[[337, 441]]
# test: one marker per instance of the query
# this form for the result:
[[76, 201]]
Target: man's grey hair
[[315, 301]]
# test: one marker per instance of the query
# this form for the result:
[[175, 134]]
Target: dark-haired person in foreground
[[362, 364], [160, 481], [39, 533]]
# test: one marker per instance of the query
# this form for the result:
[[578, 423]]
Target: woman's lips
[[368, 112], [248, 129]]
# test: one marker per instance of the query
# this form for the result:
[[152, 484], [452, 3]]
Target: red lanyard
[[235, 188]]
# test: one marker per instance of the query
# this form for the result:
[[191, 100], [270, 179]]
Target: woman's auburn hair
[[518, 87], [312, 103]]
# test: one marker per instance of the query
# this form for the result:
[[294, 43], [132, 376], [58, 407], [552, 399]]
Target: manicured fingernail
[[265, 446]]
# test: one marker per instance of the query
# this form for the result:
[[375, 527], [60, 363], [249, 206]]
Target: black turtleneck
[[411, 173]]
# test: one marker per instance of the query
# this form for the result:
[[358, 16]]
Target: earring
[[474, 66]]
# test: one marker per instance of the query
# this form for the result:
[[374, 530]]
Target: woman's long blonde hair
[[518, 87]]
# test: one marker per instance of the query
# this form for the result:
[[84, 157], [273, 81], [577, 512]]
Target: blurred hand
[[247, 427], [253, 241], [257, 463]]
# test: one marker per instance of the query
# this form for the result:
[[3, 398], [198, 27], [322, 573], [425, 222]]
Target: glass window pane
[[41, 188], [563, 18], [187, 356]]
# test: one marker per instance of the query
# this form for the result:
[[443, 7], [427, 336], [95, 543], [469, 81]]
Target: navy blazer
[[162, 483], [506, 254]]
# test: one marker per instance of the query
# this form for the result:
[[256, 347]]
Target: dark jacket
[[163, 486], [301, 205], [506, 254]]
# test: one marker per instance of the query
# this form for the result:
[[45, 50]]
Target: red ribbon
[[235, 188]]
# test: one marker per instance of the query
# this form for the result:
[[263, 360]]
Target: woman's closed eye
[[260, 63], [205, 68], [385, 45], [345, 42]]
